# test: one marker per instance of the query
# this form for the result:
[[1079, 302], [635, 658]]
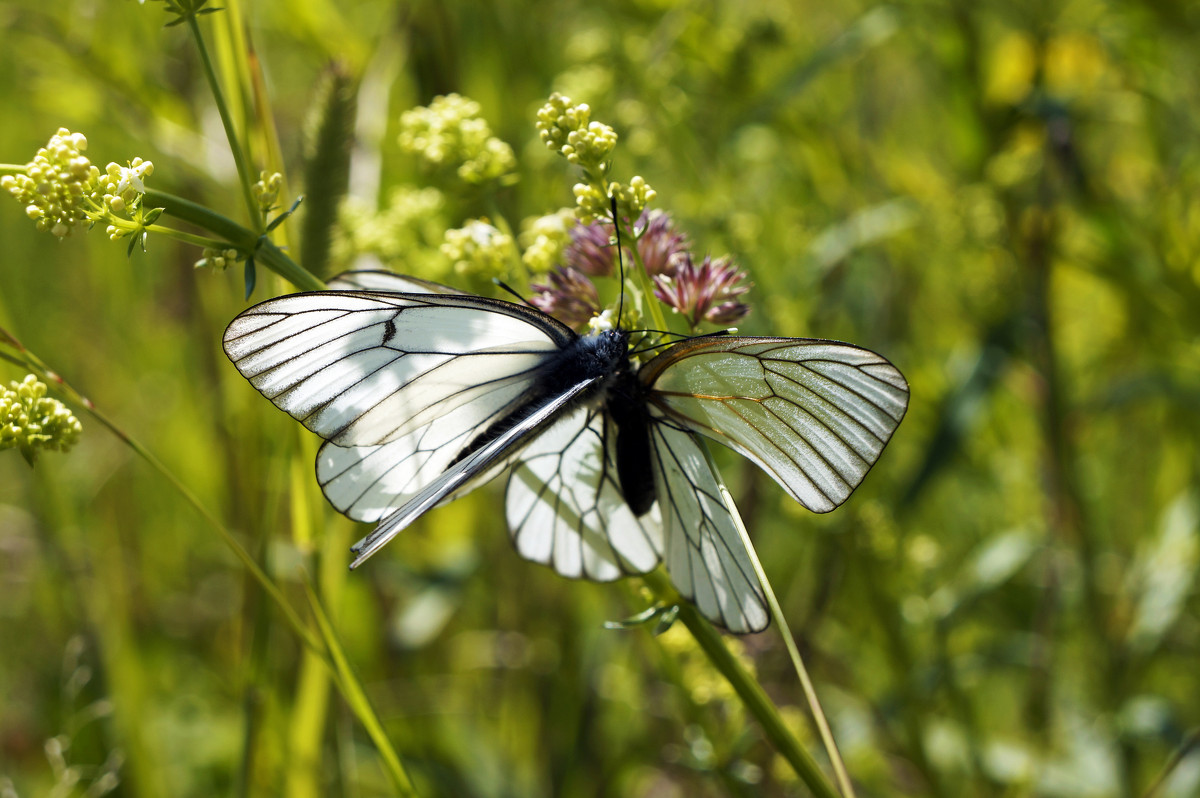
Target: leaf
[[330, 138], [250, 276], [995, 562], [1164, 572], [664, 613], [861, 229]]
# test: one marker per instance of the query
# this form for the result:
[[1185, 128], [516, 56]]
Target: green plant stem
[[235, 144], [357, 699], [747, 687], [1189, 744], [327, 651], [30, 361], [170, 232], [789, 641], [642, 278], [237, 236], [309, 714]]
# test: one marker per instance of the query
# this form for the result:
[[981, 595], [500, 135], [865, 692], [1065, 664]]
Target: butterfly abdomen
[[627, 408]]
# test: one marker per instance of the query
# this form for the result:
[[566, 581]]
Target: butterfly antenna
[[514, 292], [679, 338], [620, 261]]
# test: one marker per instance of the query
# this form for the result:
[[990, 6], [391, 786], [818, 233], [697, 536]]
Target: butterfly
[[423, 393]]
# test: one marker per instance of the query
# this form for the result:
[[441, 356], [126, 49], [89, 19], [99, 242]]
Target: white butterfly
[[423, 393]]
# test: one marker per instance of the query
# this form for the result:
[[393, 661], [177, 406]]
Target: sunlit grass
[[996, 197]]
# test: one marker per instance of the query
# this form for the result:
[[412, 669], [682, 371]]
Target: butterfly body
[[423, 393], [627, 407], [595, 360]]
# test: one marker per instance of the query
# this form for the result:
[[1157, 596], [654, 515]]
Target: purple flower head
[[660, 243], [704, 292], [591, 250], [569, 297]]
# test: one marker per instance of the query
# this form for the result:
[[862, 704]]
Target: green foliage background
[[998, 196]]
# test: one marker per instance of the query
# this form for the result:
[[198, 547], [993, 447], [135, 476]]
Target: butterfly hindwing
[[565, 508], [705, 555], [390, 282], [813, 414]]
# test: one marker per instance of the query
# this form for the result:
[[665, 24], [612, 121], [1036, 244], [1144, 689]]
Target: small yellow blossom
[[632, 199], [122, 185], [30, 421], [479, 249], [450, 133], [545, 237], [591, 203], [404, 235], [57, 184], [218, 259], [568, 130], [266, 189]]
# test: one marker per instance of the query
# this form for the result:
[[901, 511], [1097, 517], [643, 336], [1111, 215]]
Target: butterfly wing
[[370, 481], [379, 280], [565, 508], [705, 556], [397, 383], [371, 477], [813, 414], [474, 467]]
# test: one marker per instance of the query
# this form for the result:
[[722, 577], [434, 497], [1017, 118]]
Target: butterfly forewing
[[361, 369], [813, 414], [479, 462], [565, 508], [398, 383], [367, 482]]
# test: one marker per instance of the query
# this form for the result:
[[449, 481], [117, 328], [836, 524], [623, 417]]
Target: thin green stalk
[[201, 216], [253, 696], [1189, 744], [357, 699], [235, 145], [328, 650], [32, 362], [644, 283], [309, 712], [748, 689], [789, 641], [263, 250]]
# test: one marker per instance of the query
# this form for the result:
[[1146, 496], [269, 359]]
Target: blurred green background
[[999, 196]]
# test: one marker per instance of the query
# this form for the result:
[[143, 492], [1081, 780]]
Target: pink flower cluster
[[704, 292]]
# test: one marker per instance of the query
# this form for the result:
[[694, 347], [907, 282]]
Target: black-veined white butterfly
[[423, 393]]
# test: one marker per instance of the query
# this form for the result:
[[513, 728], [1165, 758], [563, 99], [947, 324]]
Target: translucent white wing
[[475, 466], [365, 369], [398, 384], [814, 414], [705, 555], [565, 508], [368, 482]]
